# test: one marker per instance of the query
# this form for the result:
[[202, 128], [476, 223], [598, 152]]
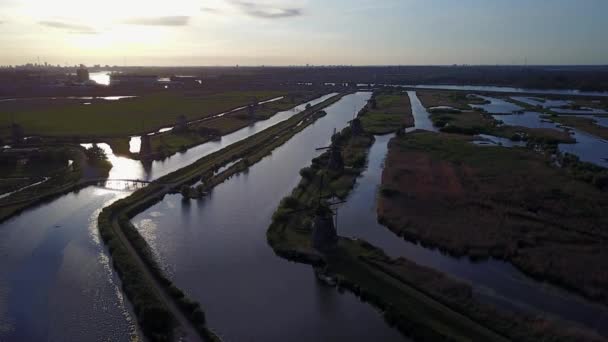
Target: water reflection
[[57, 283], [60, 282], [122, 167], [216, 250], [556, 105], [497, 106], [588, 148], [527, 119], [134, 144], [494, 281], [498, 89], [421, 115], [100, 77], [125, 168]]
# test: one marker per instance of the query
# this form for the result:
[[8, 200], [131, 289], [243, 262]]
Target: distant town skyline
[[300, 32]]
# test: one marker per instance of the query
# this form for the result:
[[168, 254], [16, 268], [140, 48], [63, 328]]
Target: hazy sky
[[279, 32]]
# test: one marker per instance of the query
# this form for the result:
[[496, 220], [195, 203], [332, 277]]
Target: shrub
[[359, 162], [290, 202], [600, 180], [388, 192], [307, 173]]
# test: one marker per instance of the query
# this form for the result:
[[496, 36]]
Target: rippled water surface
[[216, 250]]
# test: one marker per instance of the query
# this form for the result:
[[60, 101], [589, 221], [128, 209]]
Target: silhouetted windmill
[[335, 161], [145, 147], [356, 127], [325, 223]]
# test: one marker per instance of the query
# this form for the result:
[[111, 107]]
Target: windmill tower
[[145, 149], [324, 237], [251, 109], [335, 162], [356, 128], [324, 228]]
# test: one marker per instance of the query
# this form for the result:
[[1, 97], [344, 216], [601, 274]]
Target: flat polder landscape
[[385, 195]]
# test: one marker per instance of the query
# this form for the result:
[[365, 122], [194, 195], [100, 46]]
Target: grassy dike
[[167, 144], [149, 290], [420, 302], [392, 110], [403, 307]]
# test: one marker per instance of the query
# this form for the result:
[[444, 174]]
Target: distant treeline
[[589, 78]]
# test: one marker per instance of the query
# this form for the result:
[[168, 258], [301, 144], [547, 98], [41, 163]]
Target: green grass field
[[127, 116], [392, 113], [172, 142]]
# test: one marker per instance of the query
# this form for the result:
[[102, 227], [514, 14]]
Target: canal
[[216, 250], [56, 279]]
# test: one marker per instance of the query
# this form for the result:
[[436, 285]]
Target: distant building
[[82, 74]]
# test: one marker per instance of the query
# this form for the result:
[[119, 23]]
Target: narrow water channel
[[421, 115], [56, 279], [126, 168], [499, 89], [57, 284], [135, 142], [588, 148], [216, 250], [493, 281]]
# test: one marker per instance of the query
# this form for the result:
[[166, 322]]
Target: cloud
[[265, 11], [159, 21], [72, 28]]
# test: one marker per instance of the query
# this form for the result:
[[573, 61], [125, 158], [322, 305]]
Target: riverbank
[[388, 111], [584, 124], [158, 292], [198, 132], [540, 218], [422, 303], [66, 180], [451, 112]]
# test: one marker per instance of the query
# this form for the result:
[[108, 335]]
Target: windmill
[[356, 127], [324, 227], [252, 107], [145, 147], [335, 161]]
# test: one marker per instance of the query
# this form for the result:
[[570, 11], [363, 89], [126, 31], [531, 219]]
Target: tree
[[600, 180], [181, 124], [96, 154], [373, 103], [17, 133]]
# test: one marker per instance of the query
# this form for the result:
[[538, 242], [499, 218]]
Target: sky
[[298, 32]]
